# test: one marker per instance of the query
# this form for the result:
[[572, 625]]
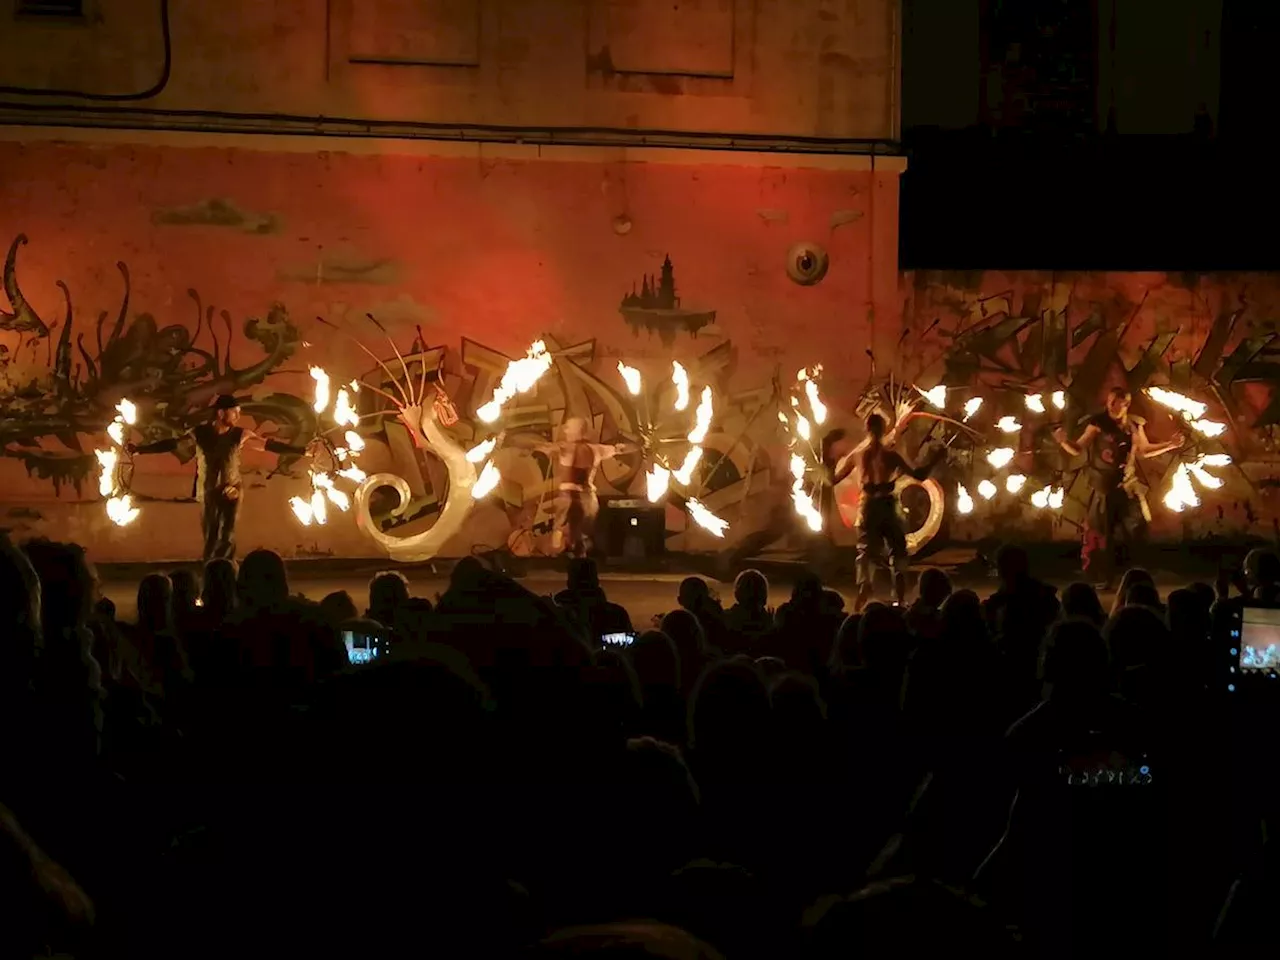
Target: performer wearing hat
[[218, 485]]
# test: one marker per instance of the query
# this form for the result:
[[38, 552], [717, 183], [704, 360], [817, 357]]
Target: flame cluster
[[324, 490], [805, 397], [1182, 492], [120, 508], [1192, 411], [521, 376], [999, 458], [663, 470]]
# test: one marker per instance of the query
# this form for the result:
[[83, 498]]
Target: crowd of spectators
[[504, 774]]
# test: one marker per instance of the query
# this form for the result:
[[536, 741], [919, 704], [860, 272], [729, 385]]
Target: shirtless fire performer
[[880, 522], [575, 460]]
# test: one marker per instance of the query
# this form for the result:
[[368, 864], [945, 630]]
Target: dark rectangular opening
[[52, 9]]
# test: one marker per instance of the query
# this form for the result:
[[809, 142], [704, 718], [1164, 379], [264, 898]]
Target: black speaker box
[[631, 529]]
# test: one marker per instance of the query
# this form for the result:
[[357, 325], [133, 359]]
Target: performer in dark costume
[[575, 460], [880, 523], [218, 485], [1114, 442]]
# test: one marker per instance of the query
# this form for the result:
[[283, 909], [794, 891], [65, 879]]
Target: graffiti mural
[[656, 308], [736, 448], [1023, 334], [169, 371]]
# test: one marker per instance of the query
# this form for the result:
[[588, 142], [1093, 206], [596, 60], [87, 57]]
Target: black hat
[[226, 402]]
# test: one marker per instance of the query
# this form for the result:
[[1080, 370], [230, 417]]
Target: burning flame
[[680, 377], [815, 402], [685, 474], [121, 510], [1035, 402], [987, 489], [301, 510], [656, 481], [344, 414], [631, 377], [487, 482], [338, 498], [1210, 428], [707, 520], [1040, 499], [354, 440], [480, 451], [322, 390], [318, 513], [803, 428], [703, 415], [972, 406], [1057, 496], [1193, 409], [520, 377], [797, 466], [1215, 460], [1205, 478], [1000, 457], [1009, 425], [1059, 398], [805, 508], [1015, 482], [1181, 492], [128, 412], [355, 386], [354, 474], [937, 396], [964, 502], [108, 460]]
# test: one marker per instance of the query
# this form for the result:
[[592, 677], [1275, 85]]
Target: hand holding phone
[[618, 639]]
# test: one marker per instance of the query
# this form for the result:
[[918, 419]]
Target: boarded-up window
[[427, 32], [684, 37]]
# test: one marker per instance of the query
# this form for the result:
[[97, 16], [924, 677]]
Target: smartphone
[[618, 639], [361, 647]]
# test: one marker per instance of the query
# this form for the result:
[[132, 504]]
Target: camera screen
[[361, 648], [1260, 640], [618, 639]]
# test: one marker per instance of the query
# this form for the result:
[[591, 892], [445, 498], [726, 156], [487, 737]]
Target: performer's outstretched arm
[[160, 446], [1145, 449], [256, 441], [1081, 445]]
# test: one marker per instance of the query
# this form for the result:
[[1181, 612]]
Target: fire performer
[[1114, 442], [218, 484], [880, 520], [576, 460]]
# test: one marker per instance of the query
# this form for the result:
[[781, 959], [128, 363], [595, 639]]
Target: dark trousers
[[218, 524]]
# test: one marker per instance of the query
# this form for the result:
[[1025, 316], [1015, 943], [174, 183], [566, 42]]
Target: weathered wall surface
[[819, 68], [1212, 337], [485, 253]]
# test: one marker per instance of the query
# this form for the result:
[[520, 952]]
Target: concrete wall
[[487, 249], [819, 68]]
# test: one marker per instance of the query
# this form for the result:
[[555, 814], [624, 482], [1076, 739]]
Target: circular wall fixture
[[622, 225], [807, 263]]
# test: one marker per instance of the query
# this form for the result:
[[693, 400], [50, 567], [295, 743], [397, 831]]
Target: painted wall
[[485, 251], [1212, 337], [819, 68]]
